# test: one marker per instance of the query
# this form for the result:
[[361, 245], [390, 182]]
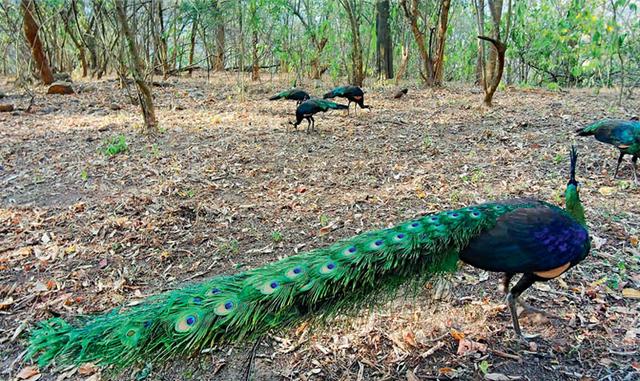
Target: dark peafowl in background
[[526, 236], [352, 93], [294, 94], [623, 134], [308, 108], [400, 93]]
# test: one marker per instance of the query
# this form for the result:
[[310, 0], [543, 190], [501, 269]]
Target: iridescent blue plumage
[[623, 134]]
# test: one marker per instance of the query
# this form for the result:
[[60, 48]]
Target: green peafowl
[[352, 93], [294, 94], [526, 236], [308, 108], [623, 134]]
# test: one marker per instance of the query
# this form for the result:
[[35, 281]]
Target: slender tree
[[31, 29], [136, 67], [357, 67], [432, 58], [493, 68]]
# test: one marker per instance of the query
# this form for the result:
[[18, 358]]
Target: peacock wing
[[528, 240]]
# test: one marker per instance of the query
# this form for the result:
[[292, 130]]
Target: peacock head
[[572, 193]]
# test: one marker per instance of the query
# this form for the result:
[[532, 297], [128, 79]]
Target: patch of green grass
[[484, 366], [276, 236], [427, 142], [116, 145], [553, 86], [324, 220], [559, 158], [230, 247], [84, 175]]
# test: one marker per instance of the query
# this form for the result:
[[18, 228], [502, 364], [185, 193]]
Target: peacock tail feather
[[246, 305], [325, 105]]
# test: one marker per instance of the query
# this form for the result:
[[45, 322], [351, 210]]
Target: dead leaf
[[457, 334], [466, 346], [500, 377], [631, 293], [28, 372], [94, 377], [410, 338], [411, 376], [87, 369], [6, 303], [446, 371], [607, 191]]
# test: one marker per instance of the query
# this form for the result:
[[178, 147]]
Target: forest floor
[[228, 186]]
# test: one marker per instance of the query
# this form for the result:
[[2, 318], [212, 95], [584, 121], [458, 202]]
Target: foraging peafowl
[[400, 93], [313, 106], [526, 236], [623, 134], [352, 93], [293, 94]]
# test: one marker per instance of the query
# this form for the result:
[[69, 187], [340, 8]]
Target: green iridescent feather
[[248, 304]]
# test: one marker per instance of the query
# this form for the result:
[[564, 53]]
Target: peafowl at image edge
[[526, 236]]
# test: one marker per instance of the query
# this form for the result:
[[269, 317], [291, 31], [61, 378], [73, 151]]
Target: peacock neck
[[573, 204]]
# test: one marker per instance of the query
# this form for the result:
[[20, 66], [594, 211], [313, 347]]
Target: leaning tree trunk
[[136, 67], [31, 33], [491, 83]]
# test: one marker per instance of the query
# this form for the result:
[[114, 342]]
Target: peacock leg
[[313, 124], [506, 281], [525, 282], [528, 308], [618, 166], [348, 108], [634, 162], [308, 124]]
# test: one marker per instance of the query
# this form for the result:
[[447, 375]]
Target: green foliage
[[276, 236], [116, 145], [483, 366]]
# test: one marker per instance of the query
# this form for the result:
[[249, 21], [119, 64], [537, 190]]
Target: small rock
[[6, 107], [115, 107], [49, 110], [88, 89], [62, 88], [2, 95], [62, 77]]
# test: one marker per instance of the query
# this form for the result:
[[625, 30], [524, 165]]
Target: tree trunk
[[493, 69], [356, 55], [494, 81], [255, 68], [218, 64], [438, 61], [192, 47], [137, 68], [31, 33], [383, 41], [161, 43], [403, 63]]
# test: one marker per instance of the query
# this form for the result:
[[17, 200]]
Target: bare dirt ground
[[227, 186]]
